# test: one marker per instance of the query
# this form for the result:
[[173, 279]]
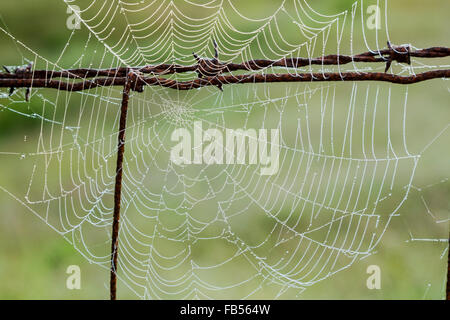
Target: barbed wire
[[211, 72]]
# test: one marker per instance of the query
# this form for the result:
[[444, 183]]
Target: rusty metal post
[[118, 186]]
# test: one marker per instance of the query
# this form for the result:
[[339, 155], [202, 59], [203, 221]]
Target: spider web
[[219, 231]]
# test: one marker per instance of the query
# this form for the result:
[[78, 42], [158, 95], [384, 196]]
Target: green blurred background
[[33, 258]]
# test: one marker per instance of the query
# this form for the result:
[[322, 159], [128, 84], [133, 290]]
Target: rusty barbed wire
[[225, 80], [210, 72]]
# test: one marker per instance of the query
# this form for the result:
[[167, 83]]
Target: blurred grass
[[33, 258]]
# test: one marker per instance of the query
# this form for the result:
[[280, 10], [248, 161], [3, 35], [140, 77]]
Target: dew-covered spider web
[[346, 163]]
